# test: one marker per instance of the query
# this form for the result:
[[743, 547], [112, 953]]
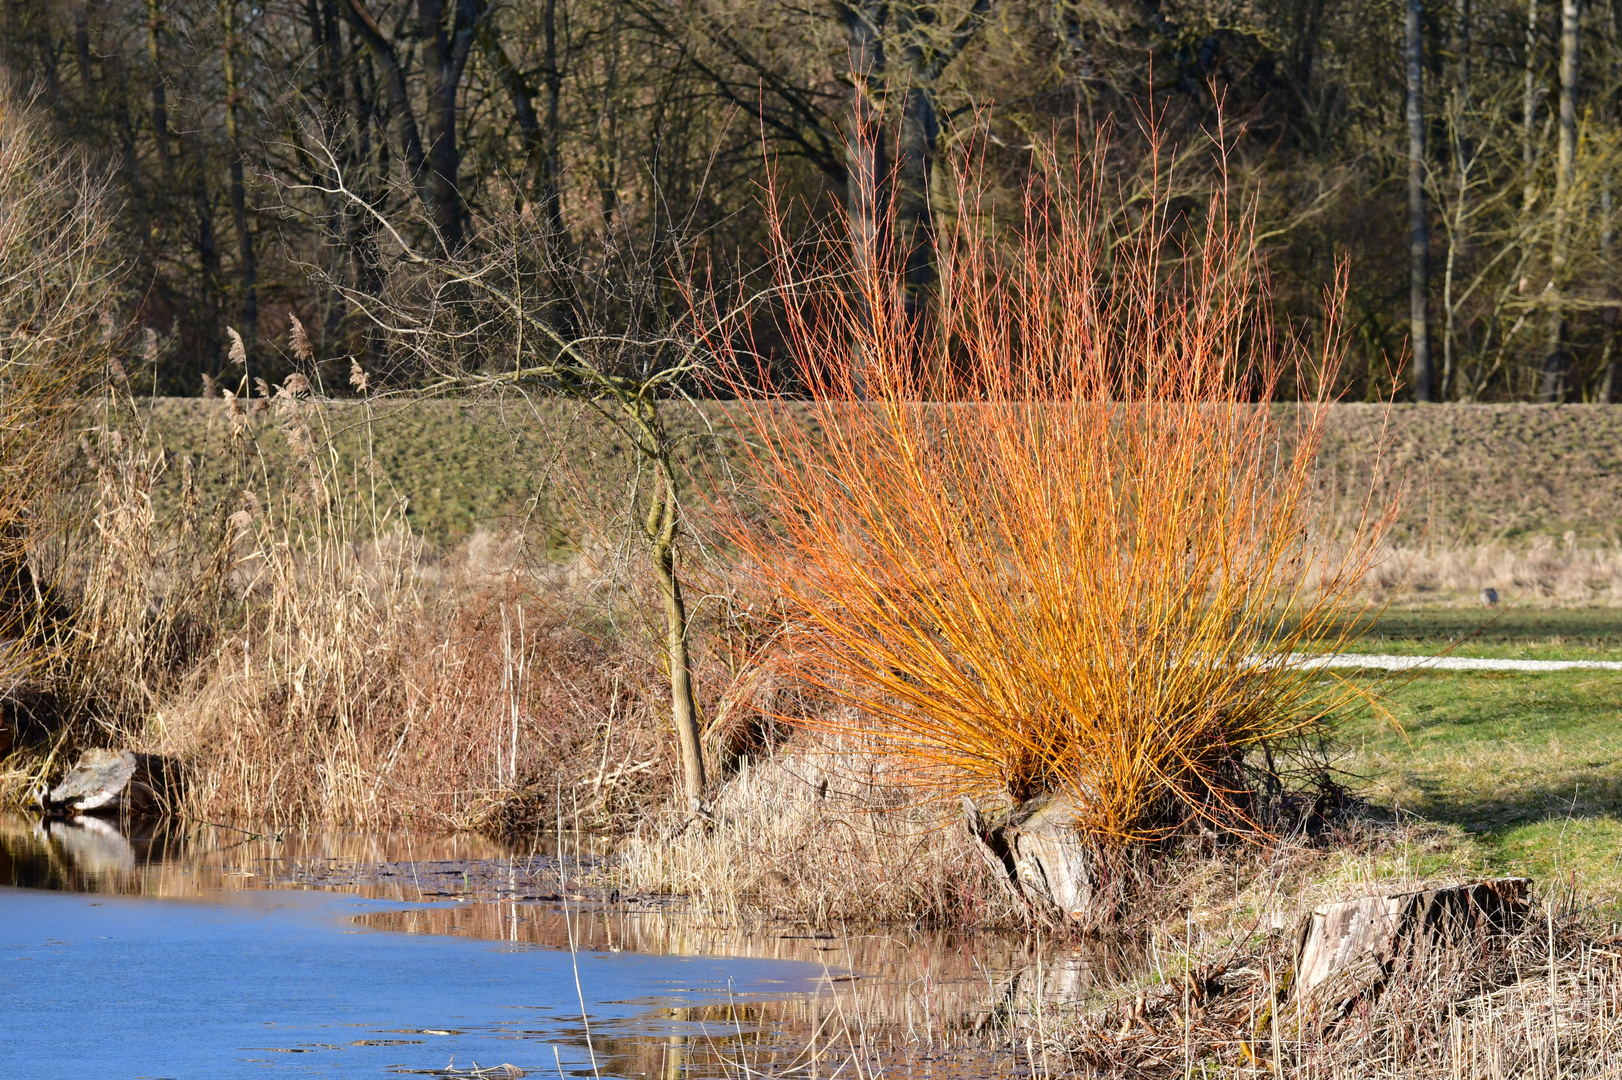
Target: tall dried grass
[[57, 280], [1045, 542], [824, 834], [302, 654]]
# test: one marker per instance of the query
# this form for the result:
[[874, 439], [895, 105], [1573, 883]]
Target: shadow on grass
[[1529, 767]]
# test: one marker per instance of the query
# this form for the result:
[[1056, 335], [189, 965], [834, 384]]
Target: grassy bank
[[1525, 770], [1480, 474]]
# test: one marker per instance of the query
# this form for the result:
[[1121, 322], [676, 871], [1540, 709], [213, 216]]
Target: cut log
[[1349, 948], [116, 782]]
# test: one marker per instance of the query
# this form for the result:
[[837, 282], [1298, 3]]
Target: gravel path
[[1449, 663]]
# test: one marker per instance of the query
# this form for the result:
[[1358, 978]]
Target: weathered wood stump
[[1046, 864], [1053, 866], [116, 782], [1347, 949]]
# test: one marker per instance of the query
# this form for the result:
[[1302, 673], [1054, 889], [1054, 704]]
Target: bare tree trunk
[[867, 182], [207, 316], [1529, 106], [160, 97], [1463, 159], [915, 160], [443, 64], [1418, 225], [551, 165], [247, 269], [1557, 363], [661, 529], [81, 46]]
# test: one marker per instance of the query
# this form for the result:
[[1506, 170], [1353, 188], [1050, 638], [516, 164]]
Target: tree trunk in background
[[1529, 106], [1418, 226], [867, 181], [81, 46], [160, 97], [443, 63], [206, 310], [247, 270], [1557, 364], [1611, 388], [1463, 153], [915, 161]]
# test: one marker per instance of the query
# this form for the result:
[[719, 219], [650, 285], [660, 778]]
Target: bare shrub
[[1046, 543], [58, 281]]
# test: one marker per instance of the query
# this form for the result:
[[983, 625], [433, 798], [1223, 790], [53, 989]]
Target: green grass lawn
[[1527, 767]]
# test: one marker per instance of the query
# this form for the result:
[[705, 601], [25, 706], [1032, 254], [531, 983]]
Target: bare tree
[[1557, 362], [484, 300]]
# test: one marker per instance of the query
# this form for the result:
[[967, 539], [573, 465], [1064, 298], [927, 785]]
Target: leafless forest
[[1458, 158]]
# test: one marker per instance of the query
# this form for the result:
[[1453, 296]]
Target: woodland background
[[1458, 158]]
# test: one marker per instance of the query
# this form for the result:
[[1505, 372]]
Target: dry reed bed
[[1538, 571], [306, 659], [823, 833], [1506, 1010]]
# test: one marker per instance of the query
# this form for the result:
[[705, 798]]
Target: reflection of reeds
[[1044, 536]]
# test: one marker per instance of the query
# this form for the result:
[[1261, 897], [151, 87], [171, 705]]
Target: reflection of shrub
[[1056, 549]]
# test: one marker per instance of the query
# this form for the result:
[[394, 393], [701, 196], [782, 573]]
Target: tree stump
[[1348, 949], [1035, 851], [1053, 866], [116, 782]]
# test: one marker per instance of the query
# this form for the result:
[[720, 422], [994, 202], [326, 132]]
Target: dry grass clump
[[1044, 541], [1539, 570], [57, 280], [352, 688], [822, 832], [1546, 1002], [294, 646]]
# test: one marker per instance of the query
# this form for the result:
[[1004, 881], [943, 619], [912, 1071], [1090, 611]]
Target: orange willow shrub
[[1043, 540]]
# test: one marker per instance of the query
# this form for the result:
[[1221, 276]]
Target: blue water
[[102, 987]]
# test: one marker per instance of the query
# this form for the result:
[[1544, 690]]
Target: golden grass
[[825, 834], [296, 649], [1045, 543]]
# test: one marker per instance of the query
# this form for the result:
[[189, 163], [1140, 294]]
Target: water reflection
[[923, 999]]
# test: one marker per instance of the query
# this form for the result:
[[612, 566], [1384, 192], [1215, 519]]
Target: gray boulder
[[116, 782]]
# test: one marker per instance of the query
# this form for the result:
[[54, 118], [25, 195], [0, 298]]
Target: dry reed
[[303, 656]]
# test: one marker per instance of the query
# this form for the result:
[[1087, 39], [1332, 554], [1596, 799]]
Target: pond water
[[213, 954]]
